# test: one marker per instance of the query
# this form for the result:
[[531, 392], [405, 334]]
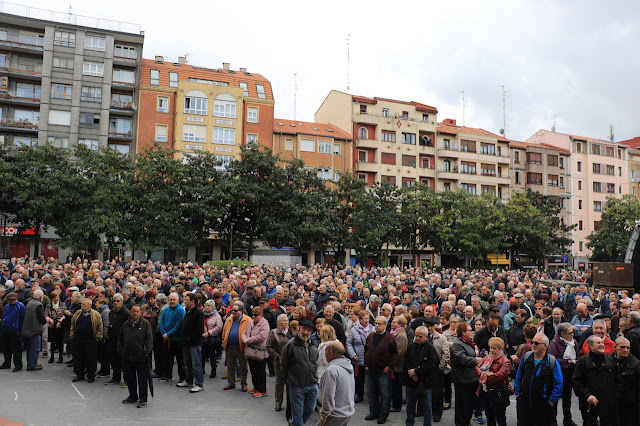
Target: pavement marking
[[173, 420], [16, 398], [81, 395], [34, 380]]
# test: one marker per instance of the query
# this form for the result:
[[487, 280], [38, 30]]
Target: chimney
[[159, 59], [243, 70], [450, 121], [182, 60], [225, 66]]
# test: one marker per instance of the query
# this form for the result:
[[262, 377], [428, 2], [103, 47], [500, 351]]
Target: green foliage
[[224, 264], [617, 223]]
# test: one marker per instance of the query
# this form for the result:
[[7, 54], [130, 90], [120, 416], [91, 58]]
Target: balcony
[[635, 176], [22, 43], [379, 119], [364, 166], [449, 150], [14, 68], [123, 108], [114, 135], [10, 97], [368, 143], [123, 85], [451, 174], [129, 62], [18, 125]]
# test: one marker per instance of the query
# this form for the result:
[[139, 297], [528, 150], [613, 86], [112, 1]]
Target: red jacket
[[609, 346], [500, 368]]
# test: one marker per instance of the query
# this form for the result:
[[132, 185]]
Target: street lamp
[[411, 235], [231, 242]]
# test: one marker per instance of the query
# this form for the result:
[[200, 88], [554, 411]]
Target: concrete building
[[65, 80], [194, 109], [597, 169], [634, 165]]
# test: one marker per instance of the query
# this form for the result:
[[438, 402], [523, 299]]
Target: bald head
[[334, 349]]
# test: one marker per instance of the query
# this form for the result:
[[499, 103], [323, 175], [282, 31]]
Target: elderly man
[[234, 326], [549, 326], [337, 387], [117, 316], [331, 318], [629, 369], [34, 321], [299, 370], [582, 321], [419, 365], [633, 333], [86, 332], [597, 385], [170, 325], [10, 327], [380, 354], [492, 329], [135, 343], [600, 330]]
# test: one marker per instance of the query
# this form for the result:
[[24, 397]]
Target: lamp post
[[411, 235], [231, 242]]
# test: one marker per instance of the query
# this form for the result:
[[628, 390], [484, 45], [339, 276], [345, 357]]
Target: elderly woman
[[398, 325], [493, 373], [255, 336], [54, 313], [327, 334], [352, 319], [211, 336], [356, 341], [565, 349], [464, 359], [278, 337]]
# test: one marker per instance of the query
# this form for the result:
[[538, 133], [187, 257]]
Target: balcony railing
[[17, 67], [23, 40], [124, 106], [13, 96], [455, 147], [21, 124]]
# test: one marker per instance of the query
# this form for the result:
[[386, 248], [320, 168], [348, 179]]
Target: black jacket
[[603, 382], [515, 337], [116, 320], [424, 359], [463, 362], [633, 334], [299, 362], [482, 337], [192, 327], [136, 341], [629, 370]]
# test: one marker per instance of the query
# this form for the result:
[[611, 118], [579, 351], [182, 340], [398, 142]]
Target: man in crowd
[[633, 333], [629, 369], [582, 321], [337, 387], [117, 316], [299, 370], [170, 325], [380, 354], [10, 328], [420, 365], [86, 332], [32, 327], [600, 329], [135, 343], [492, 329], [234, 326], [191, 339]]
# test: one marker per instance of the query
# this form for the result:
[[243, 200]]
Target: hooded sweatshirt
[[337, 389]]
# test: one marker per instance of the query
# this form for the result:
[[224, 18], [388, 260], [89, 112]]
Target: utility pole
[[464, 105], [348, 61], [504, 111]]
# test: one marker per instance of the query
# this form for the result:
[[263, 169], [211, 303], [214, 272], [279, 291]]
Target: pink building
[[597, 169]]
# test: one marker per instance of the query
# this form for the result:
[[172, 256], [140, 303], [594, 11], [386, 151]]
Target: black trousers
[[103, 357], [447, 388], [55, 338], [595, 417], [437, 394], [136, 374], [538, 413], [360, 377], [85, 358], [12, 348], [159, 355], [208, 354], [258, 374], [174, 349], [628, 414], [465, 392], [396, 391], [114, 359]]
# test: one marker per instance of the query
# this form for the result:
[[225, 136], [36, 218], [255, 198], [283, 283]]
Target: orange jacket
[[244, 322]]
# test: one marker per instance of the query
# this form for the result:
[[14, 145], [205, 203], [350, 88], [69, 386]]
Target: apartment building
[[539, 167], [323, 147], [596, 169], [68, 83], [394, 140], [634, 165], [195, 109]]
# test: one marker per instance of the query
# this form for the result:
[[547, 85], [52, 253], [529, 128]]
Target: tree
[[345, 196], [616, 224], [420, 216], [551, 208]]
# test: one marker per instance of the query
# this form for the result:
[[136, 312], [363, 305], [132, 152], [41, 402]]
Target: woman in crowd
[[211, 336], [327, 334], [278, 337], [356, 341], [352, 319], [398, 325], [54, 314], [255, 335], [493, 374], [565, 349], [464, 359]]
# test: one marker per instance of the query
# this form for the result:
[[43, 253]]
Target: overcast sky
[[575, 59]]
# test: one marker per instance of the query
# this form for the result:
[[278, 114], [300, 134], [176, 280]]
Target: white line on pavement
[[38, 380], [16, 398], [81, 395]]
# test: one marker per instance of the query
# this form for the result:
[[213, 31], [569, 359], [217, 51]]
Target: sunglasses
[[235, 310], [537, 343], [624, 347], [255, 315]]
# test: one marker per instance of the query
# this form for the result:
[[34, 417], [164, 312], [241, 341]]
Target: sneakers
[[479, 420], [141, 404], [124, 386], [260, 394], [196, 388], [252, 390], [129, 401], [164, 380], [183, 384]]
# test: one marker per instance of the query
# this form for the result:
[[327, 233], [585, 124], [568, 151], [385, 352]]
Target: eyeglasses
[[537, 343], [569, 332], [255, 315], [624, 347], [235, 310]]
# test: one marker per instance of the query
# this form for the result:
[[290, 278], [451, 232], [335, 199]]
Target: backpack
[[514, 367]]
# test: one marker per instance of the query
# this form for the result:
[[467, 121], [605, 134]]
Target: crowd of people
[[426, 339]]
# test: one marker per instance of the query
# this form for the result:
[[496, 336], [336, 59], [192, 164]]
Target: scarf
[[570, 351], [471, 343], [55, 306], [485, 368], [395, 330]]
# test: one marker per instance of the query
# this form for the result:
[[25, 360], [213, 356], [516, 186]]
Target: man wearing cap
[[299, 369], [86, 332], [10, 327], [380, 354]]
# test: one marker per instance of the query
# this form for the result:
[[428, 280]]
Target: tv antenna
[[464, 105], [348, 61], [611, 138], [503, 132], [553, 128], [295, 93]]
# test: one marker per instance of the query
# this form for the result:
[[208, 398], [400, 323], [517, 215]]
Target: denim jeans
[[412, 400], [303, 402], [193, 365], [33, 348], [379, 393]]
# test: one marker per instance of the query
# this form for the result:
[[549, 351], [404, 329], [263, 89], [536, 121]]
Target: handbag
[[256, 353], [498, 397]]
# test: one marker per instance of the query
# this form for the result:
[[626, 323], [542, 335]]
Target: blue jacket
[[171, 322], [12, 318], [539, 381]]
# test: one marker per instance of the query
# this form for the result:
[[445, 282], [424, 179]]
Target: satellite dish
[[502, 131]]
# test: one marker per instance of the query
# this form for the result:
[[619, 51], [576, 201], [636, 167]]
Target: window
[[389, 180], [611, 188], [425, 118], [561, 181], [63, 63], [307, 145], [324, 173], [324, 147], [517, 177], [597, 206], [516, 156], [195, 103], [534, 158], [468, 146], [387, 158], [409, 138], [487, 149], [596, 168], [595, 149], [488, 169], [561, 162], [128, 52], [579, 204], [224, 105], [579, 165], [28, 37], [578, 147], [94, 43], [385, 112], [447, 165], [163, 104], [405, 115], [610, 152], [224, 162], [534, 178], [93, 68], [60, 91], [119, 100], [252, 115], [580, 245], [124, 76], [620, 171], [446, 144], [58, 142], [122, 149], [336, 149], [214, 82], [597, 187], [194, 133], [596, 225], [173, 79], [261, 93], [406, 182], [552, 160], [91, 94], [489, 190], [447, 186], [224, 135], [161, 133], [409, 160], [469, 188], [468, 167], [90, 119], [245, 88], [28, 91], [154, 77], [288, 144], [252, 137], [362, 157], [336, 175], [27, 141], [60, 118], [363, 109], [92, 144], [579, 225], [362, 176], [63, 38], [120, 126], [388, 136], [362, 133], [552, 180]]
